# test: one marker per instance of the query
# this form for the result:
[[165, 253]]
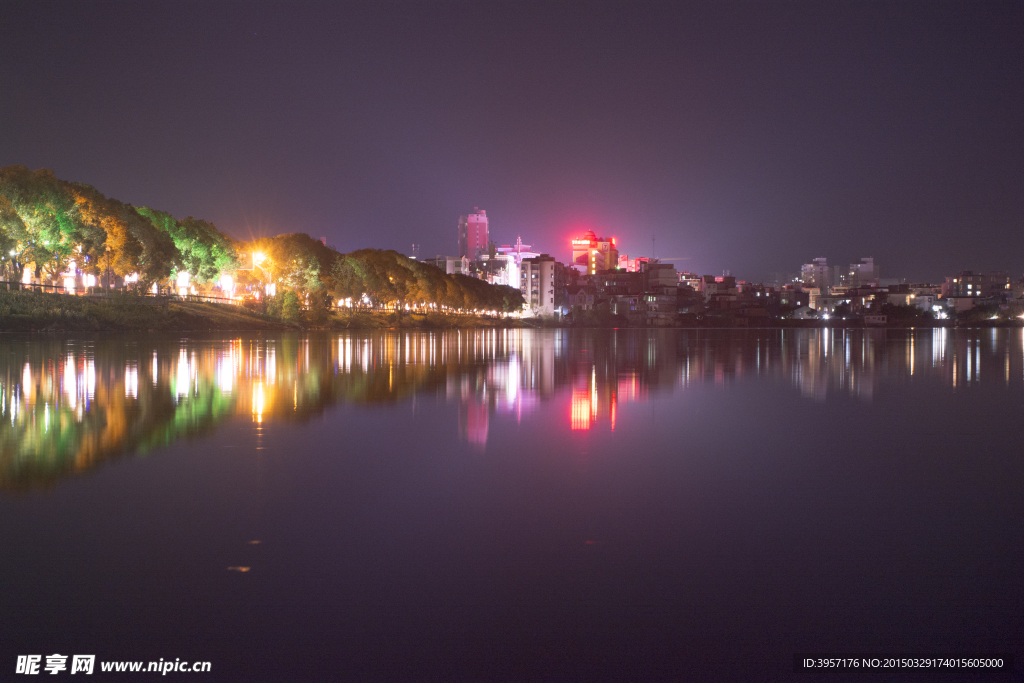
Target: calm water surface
[[512, 504]]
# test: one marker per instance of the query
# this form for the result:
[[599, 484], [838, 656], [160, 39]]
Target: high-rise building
[[840, 276], [537, 283], [816, 274], [591, 253], [863, 274], [473, 237]]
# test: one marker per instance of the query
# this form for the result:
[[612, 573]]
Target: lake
[[512, 504]]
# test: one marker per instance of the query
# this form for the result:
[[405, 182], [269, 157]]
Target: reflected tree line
[[68, 406]]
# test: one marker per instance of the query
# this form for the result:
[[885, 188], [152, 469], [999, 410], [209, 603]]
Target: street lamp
[[258, 258]]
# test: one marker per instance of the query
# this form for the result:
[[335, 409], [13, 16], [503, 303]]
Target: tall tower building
[[817, 274], [473, 238]]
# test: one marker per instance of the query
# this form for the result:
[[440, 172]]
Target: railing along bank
[[106, 293]]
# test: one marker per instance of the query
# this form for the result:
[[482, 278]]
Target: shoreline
[[49, 313]]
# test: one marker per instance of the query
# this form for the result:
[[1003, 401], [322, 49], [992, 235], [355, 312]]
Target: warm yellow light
[[258, 402], [258, 257]]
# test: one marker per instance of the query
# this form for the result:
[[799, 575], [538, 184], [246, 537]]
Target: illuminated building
[[473, 237], [817, 274], [994, 285], [537, 283], [632, 265], [691, 280], [504, 268], [591, 253]]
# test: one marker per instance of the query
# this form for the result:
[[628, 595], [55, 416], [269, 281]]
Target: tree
[[12, 233], [120, 251], [319, 305], [49, 222], [47, 210], [130, 242], [289, 306], [202, 250]]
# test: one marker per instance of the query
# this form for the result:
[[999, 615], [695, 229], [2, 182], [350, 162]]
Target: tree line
[[369, 278], [46, 224]]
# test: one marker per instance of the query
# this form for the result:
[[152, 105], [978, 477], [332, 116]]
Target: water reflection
[[68, 406]]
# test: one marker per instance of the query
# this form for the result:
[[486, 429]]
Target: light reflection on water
[[68, 406]]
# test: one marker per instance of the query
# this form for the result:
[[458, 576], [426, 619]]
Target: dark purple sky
[[752, 136]]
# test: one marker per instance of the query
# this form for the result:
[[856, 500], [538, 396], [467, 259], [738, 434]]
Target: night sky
[[751, 137]]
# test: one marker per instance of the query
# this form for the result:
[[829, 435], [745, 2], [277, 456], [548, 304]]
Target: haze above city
[[751, 137]]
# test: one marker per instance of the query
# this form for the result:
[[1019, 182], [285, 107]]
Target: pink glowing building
[[473, 237]]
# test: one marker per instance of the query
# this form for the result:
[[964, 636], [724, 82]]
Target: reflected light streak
[[131, 381], [614, 408], [519, 371], [181, 385], [70, 381], [581, 413], [257, 402]]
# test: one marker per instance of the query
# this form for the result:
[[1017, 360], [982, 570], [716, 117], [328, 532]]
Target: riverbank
[[25, 311], [355, 320], [38, 312]]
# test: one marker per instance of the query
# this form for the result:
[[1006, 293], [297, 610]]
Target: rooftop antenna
[[653, 251]]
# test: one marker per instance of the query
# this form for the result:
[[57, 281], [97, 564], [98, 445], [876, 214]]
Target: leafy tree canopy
[[51, 222], [202, 250]]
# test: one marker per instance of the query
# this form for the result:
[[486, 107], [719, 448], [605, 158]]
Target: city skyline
[[738, 137]]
